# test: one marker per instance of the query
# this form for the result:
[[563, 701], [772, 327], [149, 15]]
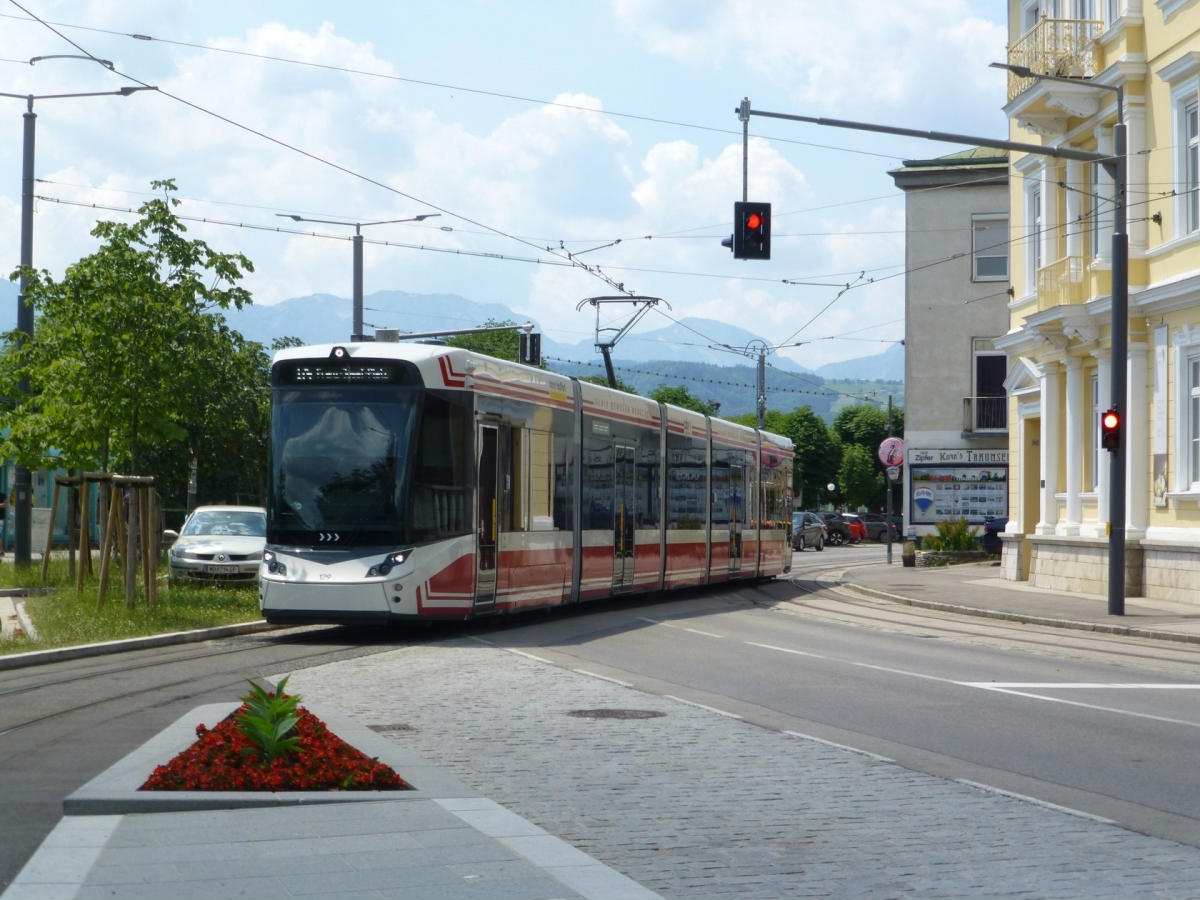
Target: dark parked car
[[877, 527], [991, 534], [807, 531], [837, 530]]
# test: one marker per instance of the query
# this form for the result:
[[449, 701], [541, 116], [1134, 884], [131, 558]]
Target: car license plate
[[220, 570]]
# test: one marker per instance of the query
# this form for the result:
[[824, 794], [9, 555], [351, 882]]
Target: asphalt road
[[1097, 725]]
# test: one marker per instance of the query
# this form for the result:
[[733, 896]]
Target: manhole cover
[[616, 713]]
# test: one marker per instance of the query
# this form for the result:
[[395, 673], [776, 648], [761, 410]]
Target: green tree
[[859, 478], [500, 344], [124, 342], [818, 451], [867, 427], [682, 397]]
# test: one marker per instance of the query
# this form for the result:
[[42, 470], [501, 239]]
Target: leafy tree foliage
[[867, 427], [682, 397], [859, 478], [500, 344], [128, 353], [818, 453]]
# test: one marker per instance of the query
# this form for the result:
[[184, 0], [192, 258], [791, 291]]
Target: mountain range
[[684, 353]]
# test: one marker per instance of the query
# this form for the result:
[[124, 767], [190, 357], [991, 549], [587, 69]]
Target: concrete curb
[[39, 657], [115, 791]]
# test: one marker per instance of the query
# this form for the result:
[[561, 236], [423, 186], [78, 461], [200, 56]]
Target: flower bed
[[223, 758]]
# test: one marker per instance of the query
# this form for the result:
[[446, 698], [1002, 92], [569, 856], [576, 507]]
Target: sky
[[569, 150]]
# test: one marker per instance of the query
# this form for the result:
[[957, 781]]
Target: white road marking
[[834, 744], [1035, 801], [603, 677], [719, 712]]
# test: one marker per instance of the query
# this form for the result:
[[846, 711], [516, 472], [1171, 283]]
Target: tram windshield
[[359, 466]]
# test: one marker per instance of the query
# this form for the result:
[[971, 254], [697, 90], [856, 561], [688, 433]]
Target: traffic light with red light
[[1110, 429], [751, 230]]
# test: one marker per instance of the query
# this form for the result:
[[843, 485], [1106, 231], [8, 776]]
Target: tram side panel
[[776, 457], [530, 515], [620, 473], [687, 497]]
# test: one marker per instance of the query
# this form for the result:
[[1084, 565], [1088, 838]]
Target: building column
[[1103, 191], [1050, 377], [1103, 370], [1136, 172], [1074, 436], [1137, 442], [1074, 197]]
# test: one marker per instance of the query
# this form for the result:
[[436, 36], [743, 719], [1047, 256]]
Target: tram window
[[687, 482], [441, 473], [597, 478], [563, 460], [647, 484]]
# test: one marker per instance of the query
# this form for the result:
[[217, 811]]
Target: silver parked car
[[220, 544]]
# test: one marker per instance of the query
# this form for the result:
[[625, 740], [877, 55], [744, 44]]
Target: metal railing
[[1061, 283], [985, 414], [1065, 47]]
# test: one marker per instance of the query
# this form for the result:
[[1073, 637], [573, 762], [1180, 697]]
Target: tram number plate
[[221, 570]]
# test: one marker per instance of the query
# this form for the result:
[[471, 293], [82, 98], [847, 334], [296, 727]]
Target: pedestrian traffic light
[[751, 230], [1110, 429]]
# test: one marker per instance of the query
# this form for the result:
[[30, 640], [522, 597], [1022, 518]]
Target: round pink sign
[[891, 452]]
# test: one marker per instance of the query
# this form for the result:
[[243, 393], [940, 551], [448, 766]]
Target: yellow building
[[1141, 57]]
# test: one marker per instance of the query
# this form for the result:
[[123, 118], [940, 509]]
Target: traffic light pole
[[1114, 163]]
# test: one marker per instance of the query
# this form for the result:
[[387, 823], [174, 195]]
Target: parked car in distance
[[858, 528], [990, 539], [807, 531], [837, 529], [219, 545], [877, 527]]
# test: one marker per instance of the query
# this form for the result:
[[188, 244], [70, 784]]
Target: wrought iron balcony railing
[[1064, 47]]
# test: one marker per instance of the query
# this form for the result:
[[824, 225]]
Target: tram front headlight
[[384, 568], [274, 566]]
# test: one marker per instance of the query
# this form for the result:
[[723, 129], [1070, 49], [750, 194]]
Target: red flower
[[223, 759]]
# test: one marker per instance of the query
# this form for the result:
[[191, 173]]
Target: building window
[[1033, 233], [1193, 423], [1187, 410], [1094, 450], [1187, 163], [989, 248], [990, 400]]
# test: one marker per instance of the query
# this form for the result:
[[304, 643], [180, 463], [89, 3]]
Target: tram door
[[737, 515], [624, 516], [488, 513]]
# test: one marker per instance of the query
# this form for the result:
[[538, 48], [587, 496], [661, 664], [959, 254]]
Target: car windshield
[[247, 523]]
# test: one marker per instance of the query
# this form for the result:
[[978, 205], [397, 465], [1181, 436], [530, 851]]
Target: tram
[[414, 481]]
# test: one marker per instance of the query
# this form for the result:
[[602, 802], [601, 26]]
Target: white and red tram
[[412, 481]]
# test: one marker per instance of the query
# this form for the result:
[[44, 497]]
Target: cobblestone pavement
[[695, 804]]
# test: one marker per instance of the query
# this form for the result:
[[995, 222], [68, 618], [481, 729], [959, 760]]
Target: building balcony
[[1064, 47], [1061, 283], [985, 415]]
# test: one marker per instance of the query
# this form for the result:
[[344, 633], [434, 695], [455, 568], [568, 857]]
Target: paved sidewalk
[[979, 589]]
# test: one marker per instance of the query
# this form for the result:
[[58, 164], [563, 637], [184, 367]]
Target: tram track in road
[[118, 666], [825, 596]]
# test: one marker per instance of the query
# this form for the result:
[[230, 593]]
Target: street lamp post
[[357, 334], [22, 488], [1115, 164]]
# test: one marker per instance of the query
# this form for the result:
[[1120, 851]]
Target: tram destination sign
[[339, 373]]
